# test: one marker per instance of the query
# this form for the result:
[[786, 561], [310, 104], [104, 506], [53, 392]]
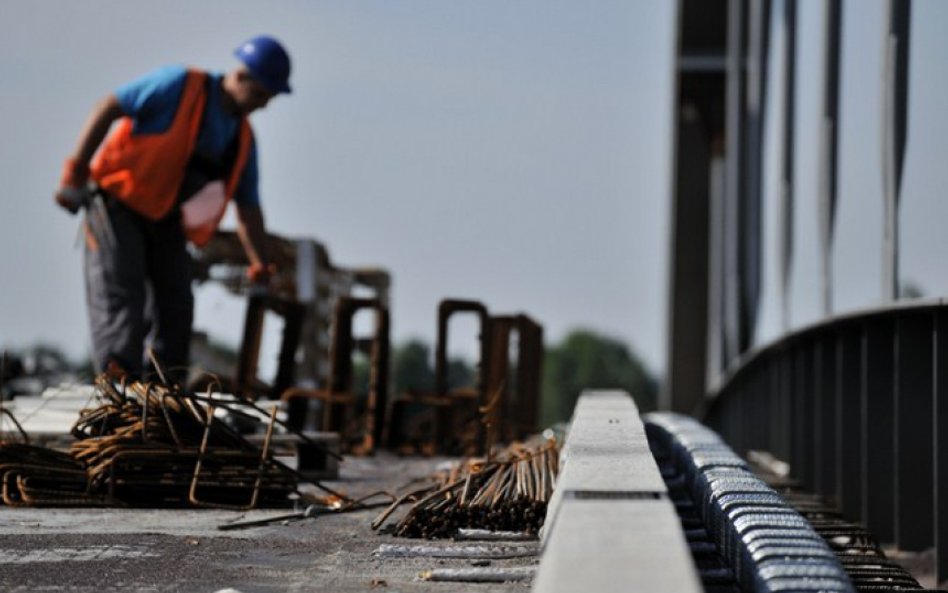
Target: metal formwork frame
[[338, 397], [292, 313], [448, 404], [445, 413], [514, 411]]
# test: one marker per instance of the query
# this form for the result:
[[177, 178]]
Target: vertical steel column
[[795, 403], [849, 422], [914, 407], [767, 384], [894, 133], [755, 401], [828, 450], [785, 243], [808, 393], [712, 418], [879, 433], [735, 419], [816, 415], [738, 418], [778, 420], [758, 392], [716, 349], [688, 275], [749, 200], [798, 420], [748, 393], [746, 429], [694, 358], [749, 408], [828, 142], [784, 417], [734, 174], [940, 446]]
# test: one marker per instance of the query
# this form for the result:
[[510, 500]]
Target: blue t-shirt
[[152, 101]]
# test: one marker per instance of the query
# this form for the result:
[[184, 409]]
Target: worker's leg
[[172, 303], [115, 292]]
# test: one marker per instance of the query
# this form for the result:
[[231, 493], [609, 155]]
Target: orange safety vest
[[145, 171]]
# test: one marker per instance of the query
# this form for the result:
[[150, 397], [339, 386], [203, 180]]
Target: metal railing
[[853, 404]]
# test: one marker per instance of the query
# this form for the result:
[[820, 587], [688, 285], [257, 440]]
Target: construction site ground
[[91, 550]]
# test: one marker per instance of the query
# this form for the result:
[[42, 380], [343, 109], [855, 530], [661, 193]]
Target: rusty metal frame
[[452, 400], [508, 405], [448, 404], [247, 382], [516, 413], [304, 292], [338, 395]]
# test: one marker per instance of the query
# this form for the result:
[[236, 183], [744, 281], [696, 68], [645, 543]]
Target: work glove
[[72, 192], [259, 274], [114, 370]]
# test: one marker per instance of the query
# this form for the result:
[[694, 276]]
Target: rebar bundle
[[148, 444], [508, 493], [35, 476], [152, 445]]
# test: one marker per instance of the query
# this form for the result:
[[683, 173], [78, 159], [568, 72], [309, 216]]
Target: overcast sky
[[517, 152], [512, 152]]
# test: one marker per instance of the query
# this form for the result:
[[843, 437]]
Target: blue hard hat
[[267, 62]]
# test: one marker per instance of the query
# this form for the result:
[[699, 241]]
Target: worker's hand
[[259, 274], [72, 193], [114, 370], [71, 199]]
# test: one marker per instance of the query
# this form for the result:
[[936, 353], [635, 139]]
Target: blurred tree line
[[587, 360]]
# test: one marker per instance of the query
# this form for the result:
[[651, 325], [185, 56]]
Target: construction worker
[[182, 150]]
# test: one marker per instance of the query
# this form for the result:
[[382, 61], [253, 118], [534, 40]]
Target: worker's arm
[[253, 236], [97, 125], [76, 168]]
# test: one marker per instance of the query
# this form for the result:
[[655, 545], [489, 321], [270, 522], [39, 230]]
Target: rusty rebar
[[509, 493], [153, 444]]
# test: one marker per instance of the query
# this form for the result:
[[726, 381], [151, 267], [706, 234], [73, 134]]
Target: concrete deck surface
[[87, 550]]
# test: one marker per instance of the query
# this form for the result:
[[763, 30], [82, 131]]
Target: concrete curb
[[609, 525]]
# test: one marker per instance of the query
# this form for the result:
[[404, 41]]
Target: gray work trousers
[[138, 290]]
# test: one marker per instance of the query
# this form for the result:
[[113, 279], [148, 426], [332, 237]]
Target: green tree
[[361, 370], [911, 290], [460, 373], [411, 368], [587, 360]]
